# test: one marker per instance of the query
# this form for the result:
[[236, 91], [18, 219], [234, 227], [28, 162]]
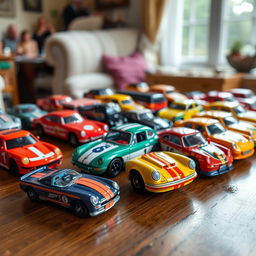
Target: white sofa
[[77, 58]]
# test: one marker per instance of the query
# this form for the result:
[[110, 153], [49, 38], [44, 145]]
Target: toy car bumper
[[222, 169], [105, 207], [243, 154], [157, 188]]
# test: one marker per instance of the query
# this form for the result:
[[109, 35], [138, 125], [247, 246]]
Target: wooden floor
[[211, 216]]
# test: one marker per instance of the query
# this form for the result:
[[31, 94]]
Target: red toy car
[[22, 152], [211, 158], [69, 125], [53, 102], [213, 96], [75, 104]]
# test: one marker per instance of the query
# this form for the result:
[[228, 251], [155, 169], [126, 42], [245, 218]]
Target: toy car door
[[171, 143]]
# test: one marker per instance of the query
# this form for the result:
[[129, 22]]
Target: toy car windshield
[[20, 142], [178, 106], [107, 91], [112, 108], [215, 129], [194, 140], [28, 110], [72, 119], [126, 102], [230, 120], [239, 110], [119, 137], [146, 116]]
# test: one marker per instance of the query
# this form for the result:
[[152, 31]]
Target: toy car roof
[[214, 114], [116, 97], [241, 90], [27, 105], [220, 94], [162, 87], [202, 121], [138, 111], [180, 131], [132, 127], [229, 104], [58, 97], [12, 134], [184, 102], [81, 102], [62, 113]]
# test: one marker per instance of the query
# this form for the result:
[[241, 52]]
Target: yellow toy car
[[180, 110], [231, 123], [160, 171], [124, 101], [235, 108], [241, 146]]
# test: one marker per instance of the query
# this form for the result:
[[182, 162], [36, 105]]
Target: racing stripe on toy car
[[38, 175], [4, 118], [99, 187], [40, 155]]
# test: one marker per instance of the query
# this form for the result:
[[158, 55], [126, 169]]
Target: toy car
[[22, 152], [27, 113], [109, 113], [153, 101], [242, 93], [168, 91], [53, 102], [146, 117], [211, 159], [180, 110], [213, 96], [160, 172], [69, 125], [98, 93], [8, 122], [75, 104], [124, 101], [84, 194], [235, 108], [241, 146], [231, 123], [138, 87], [121, 144], [195, 95]]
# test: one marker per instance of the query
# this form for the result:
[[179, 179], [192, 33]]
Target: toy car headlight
[[57, 151], [25, 160], [115, 185], [100, 161], [83, 133], [191, 164], [106, 127], [156, 175], [94, 200], [234, 146]]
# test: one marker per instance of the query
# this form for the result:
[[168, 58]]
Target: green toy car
[[122, 143], [27, 113]]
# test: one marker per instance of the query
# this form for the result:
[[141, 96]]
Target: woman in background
[[43, 30], [27, 47]]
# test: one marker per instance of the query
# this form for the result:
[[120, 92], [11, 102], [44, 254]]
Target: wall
[[27, 20]]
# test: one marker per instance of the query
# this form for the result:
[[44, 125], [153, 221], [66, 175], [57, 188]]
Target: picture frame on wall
[[7, 8], [32, 5], [111, 4]]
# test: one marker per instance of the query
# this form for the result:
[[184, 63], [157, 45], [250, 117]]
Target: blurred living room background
[[70, 47]]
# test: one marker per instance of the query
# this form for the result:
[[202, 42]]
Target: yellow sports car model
[[180, 110], [235, 108], [231, 123], [241, 146], [160, 171], [124, 101]]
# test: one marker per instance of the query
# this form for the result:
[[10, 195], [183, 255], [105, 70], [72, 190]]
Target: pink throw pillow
[[126, 70]]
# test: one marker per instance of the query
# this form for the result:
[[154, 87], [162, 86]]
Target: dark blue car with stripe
[[84, 194]]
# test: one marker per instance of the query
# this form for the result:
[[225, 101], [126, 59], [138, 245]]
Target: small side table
[[186, 83]]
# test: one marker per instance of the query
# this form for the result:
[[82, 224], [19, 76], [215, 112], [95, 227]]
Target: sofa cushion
[[78, 84], [125, 70]]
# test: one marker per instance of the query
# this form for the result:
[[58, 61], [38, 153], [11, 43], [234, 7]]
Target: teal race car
[[122, 143], [27, 113]]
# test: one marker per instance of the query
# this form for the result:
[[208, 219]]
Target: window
[[199, 128], [195, 28], [141, 136], [175, 140], [189, 125]]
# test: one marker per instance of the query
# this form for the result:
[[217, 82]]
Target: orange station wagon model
[[241, 146]]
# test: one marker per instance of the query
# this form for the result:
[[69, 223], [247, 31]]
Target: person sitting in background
[[10, 41], [72, 11], [43, 30], [27, 47]]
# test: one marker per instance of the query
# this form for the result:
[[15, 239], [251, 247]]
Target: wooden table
[[211, 216], [186, 83]]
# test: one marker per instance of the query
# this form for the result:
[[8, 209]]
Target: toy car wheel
[[115, 167], [197, 165], [39, 130], [73, 140], [137, 182], [32, 195], [79, 209], [14, 169]]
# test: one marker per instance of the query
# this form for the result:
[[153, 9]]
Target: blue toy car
[[84, 194], [27, 113]]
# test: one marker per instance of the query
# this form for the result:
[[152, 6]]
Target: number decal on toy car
[[100, 149]]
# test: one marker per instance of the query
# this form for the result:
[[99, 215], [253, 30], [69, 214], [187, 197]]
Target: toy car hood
[[86, 125], [230, 136], [9, 122], [212, 151]]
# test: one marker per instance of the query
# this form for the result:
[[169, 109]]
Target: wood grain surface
[[211, 216]]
